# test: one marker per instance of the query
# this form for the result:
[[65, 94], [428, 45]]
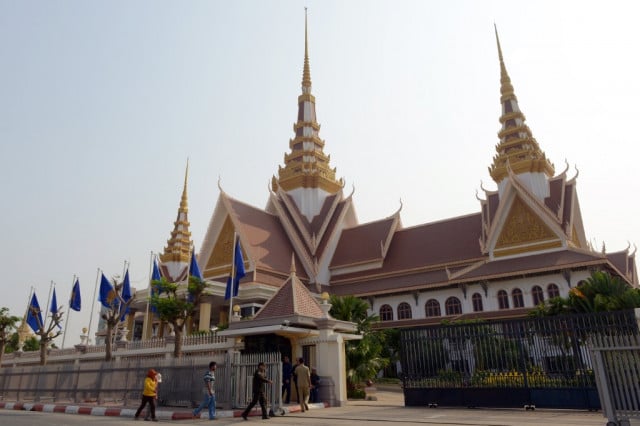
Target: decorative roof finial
[[306, 72], [518, 151]]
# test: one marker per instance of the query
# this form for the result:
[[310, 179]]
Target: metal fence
[[121, 381], [543, 362], [617, 371]]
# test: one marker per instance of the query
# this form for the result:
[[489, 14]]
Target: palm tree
[[600, 292], [364, 357]]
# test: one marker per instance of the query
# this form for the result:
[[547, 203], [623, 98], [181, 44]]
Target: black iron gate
[[533, 362]]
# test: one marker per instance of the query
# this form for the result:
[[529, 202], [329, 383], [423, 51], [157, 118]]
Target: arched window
[[477, 302], [386, 313], [432, 308], [518, 300], [452, 306], [404, 311], [553, 291], [503, 300], [537, 295]]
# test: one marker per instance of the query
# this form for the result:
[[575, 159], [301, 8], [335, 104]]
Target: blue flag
[[54, 306], [233, 282], [155, 274], [108, 296], [54, 303], [193, 269], [75, 301], [155, 289], [34, 316], [126, 293]]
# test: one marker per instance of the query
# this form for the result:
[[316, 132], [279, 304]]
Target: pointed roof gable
[[292, 298], [261, 235]]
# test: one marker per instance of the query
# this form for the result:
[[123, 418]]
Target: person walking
[[287, 372], [158, 379], [148, 395], [304, 383], [209, 393], [259, 379]]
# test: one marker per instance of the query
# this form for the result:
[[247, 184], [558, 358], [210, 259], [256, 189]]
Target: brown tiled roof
[[362, 243], [292, 298], [531, 264], [268, 244], [453, 241], [554, 201]]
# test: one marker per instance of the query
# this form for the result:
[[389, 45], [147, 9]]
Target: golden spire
[[307, 166], [306, 71], [517, 148], [178, 247]]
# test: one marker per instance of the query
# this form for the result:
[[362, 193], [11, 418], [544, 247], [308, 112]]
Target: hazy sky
[[101, 104]]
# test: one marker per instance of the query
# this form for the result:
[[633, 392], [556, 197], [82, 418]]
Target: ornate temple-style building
[[525, 243]]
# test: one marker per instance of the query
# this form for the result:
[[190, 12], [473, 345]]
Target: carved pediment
[[523, 226]]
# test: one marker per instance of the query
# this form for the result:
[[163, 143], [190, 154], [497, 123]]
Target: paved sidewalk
[[388, 409], [162, 413]]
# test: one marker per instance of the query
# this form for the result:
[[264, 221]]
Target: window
[[386, 313], [432, 308], [537, 295], [476, 299], [452, 306], [518, 300], [404, 311], [503, 300], [553, 291]]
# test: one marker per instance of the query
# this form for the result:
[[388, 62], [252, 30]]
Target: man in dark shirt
[[287, 371], [259, 379], [315, 384]]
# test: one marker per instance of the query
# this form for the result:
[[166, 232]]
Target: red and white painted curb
[[130, 412]]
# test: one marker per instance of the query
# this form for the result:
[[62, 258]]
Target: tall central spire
[[306, 167], [517, 148], [178, 249]]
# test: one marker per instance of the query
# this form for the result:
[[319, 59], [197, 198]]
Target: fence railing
[[617, 372], [193, 345], [543, 362]]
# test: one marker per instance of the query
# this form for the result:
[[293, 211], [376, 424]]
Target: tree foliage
[[7, 326], [600, 292], [365, 357], [175, 306]]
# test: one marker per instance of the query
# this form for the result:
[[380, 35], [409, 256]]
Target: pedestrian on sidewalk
[[158, 379], [314, 396], [209, 393], [149, 395], [304, 383], [287, 372], [259, 379]]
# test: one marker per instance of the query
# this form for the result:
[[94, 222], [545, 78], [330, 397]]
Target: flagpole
[[66, 324], [145, 323], [48, 305], [26, 311], [233, 276], [93, 305]]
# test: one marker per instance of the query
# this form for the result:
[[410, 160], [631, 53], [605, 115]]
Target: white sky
[[101, 104]]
